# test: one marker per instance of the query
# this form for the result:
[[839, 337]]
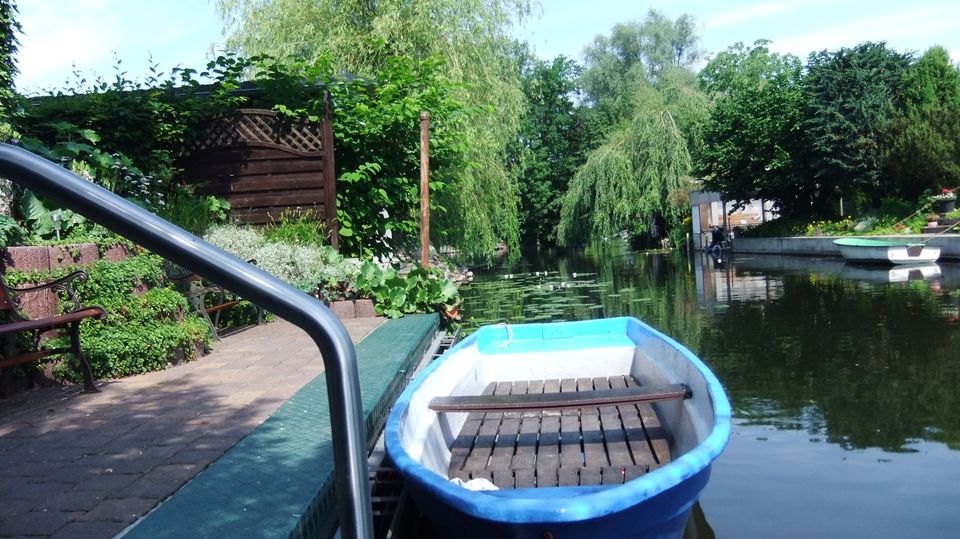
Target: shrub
[[141, 332], [421, 290], [299, 227], [193, 212], [307, 267]]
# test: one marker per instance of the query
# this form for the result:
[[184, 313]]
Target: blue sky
[[61, 34]]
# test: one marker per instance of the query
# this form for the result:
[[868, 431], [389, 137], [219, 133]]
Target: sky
[[63, 36]]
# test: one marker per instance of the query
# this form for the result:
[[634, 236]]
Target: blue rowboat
[[601, 428]]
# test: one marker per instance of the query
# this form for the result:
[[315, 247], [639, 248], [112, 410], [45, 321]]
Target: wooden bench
[[14, 322], [198, 290]]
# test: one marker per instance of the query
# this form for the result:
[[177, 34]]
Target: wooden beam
[[556, 401]]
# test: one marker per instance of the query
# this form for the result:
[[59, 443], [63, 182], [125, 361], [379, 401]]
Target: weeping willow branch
[[636, 175]]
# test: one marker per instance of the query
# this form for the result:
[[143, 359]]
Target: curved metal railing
[[179, 246]]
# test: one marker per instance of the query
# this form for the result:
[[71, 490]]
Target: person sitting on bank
[[717, 236]]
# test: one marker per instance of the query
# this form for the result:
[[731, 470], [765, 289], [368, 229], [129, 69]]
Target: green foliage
[[921, 146], [634, 53], [421, 290], [842, 129], [377, 128], [551, 145], [9, 27], [805, 140], [38, 216], [126, 135], [308, 267], [142, 331], [751, 135], [193, 212], [637, 181], [11, 233], [645, 100], [298, 227], [472, 39]]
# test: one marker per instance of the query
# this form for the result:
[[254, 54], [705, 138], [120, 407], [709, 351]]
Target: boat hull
[[654, 505], [870, 251]]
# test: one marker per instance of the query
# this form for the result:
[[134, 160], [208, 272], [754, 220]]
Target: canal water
[[844, 380]]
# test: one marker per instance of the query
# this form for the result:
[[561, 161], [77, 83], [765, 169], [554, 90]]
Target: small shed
[[709, 209], [265, 164]]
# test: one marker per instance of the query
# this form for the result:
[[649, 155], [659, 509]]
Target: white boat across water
[[601, 428], [877, 251]]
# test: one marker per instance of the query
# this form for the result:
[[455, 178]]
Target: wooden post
[[425, 189], [329, 175]]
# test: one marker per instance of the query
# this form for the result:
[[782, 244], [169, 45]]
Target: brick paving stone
[[161, 481], [106, 483], [200, 457], [37, 491], [92, 529], [36, 522], [119, 509], [96, 462], [71, 500]]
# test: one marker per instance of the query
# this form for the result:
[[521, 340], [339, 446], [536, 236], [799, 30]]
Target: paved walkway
[[75, 465]]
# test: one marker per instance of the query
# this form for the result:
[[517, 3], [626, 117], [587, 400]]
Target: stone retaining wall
[[43, 304], [823, 246], [45, 258]]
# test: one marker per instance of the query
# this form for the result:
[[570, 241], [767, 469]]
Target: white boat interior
[[429, 436]]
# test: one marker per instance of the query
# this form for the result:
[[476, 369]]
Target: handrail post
[[179, 246]]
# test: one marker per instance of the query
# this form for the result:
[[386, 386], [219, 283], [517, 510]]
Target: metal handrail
[[179, 246]]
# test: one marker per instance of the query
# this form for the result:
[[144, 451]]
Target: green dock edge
[[278, 480]]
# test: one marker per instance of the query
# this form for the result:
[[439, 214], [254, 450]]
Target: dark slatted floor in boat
[[588, 446]]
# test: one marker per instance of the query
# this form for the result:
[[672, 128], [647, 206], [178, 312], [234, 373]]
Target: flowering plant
[[945, 194]]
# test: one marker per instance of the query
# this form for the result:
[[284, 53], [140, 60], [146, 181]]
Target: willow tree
[[637, 181], [471, 35]]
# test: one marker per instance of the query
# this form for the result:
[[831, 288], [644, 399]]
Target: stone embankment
[[823, 246]]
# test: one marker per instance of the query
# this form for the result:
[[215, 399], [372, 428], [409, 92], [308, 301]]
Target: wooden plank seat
[[14, 322], [564, 432], [208, 299], [558, 401]]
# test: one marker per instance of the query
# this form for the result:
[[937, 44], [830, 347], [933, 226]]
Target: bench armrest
[[63, 284]]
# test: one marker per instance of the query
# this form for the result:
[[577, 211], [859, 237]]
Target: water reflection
[[862, 357], [844, 380]]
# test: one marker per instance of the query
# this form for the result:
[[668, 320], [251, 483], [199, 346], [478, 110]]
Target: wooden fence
[[264, 165]]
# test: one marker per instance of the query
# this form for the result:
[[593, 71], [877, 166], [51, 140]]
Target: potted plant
[[932, 219], [945, 202]]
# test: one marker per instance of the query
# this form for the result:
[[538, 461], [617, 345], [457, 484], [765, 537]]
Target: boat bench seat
[[559, 401]]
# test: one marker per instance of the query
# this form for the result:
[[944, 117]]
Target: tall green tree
[[850, 95], [751, 137], [637, 181], [471, 35], [644, 105], [551, 143], [633, 53], [921, 150], [9, 28]]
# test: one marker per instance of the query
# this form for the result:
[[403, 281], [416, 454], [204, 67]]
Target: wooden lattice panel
[[251, 127]]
